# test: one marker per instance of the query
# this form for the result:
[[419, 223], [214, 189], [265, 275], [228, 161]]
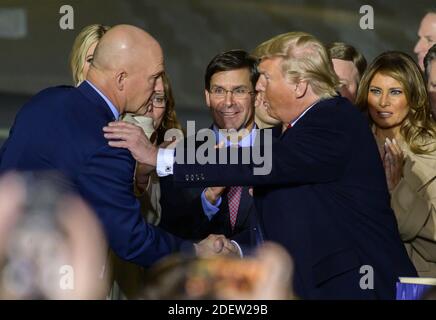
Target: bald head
[[125, 46], [126, 63]]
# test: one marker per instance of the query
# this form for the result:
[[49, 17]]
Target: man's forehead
[[241, 75], [428, 25], [269, 64]]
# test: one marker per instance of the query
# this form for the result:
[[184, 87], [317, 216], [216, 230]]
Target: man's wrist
[[210, 196]]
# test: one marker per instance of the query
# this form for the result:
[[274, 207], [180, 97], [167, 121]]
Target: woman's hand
[[393, 162]]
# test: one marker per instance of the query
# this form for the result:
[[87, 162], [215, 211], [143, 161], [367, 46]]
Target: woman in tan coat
[[393, 94]]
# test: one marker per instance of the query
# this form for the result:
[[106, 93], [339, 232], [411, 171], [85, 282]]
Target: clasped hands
[[129, 136], [215, 245]]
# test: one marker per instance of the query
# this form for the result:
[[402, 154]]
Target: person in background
[[349, 64], [52, 246], [393, 94], [430, 77], [147, 185], [426, 36], [324, 195], [266, 275], [82, 52]]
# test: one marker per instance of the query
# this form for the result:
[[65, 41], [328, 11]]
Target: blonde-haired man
[[325, 198]]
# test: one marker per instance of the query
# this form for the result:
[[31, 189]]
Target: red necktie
[[234, 198]]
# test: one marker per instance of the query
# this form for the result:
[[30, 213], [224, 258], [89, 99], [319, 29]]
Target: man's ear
[[300, 89], [120, 78], [207, 96]]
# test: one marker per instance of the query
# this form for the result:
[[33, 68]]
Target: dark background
[[34, 50]]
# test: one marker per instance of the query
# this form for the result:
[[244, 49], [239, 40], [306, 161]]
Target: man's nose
[[229, 98], [260, 85]]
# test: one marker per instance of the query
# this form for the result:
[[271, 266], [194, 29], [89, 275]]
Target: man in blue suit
[[61, 129], [325, 198]]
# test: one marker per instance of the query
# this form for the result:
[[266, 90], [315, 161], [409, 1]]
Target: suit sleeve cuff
[[239, 248], [165, 162]]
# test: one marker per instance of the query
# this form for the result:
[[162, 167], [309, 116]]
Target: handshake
[[215, 245]]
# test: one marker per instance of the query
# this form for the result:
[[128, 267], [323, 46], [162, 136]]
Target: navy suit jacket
[[61, 129], [326, 201], [183, 214]]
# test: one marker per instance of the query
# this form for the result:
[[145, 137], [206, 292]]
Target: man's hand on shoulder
[[129, 136]]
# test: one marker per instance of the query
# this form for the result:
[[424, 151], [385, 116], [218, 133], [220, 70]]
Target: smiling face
[[228, 111], [387, 102], [427, 37]]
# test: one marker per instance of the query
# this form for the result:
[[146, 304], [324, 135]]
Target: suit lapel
[[244, 207]]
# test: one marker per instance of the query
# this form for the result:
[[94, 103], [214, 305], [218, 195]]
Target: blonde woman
[[83, 50], [393, 93]]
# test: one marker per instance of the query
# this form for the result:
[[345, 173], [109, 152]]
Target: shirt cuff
[[208, 208], [239, 248], [165, 162]]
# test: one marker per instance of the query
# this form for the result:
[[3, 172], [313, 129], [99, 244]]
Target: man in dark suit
[[61, 129], [230, 79], [325, 198]]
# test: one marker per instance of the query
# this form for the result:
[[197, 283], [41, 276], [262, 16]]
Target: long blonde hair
[[85, 39], [418, 127]]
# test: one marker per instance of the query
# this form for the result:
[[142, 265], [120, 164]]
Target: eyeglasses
[[237, 93], [158, 101]]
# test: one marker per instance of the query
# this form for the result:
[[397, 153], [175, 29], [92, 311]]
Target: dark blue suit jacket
[[61, 129], [183, 214], [326, 201]]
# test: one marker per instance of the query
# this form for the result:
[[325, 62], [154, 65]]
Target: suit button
[[187, 177], [201, 176], [197, 178], [192, 177]]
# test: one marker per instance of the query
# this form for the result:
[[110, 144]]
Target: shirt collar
[[109, 103], [301, 115], [247, 141]]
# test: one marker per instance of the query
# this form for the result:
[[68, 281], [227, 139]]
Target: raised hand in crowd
[[393, 162]]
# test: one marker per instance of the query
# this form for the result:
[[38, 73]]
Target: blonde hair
[[418, 127], [84, 40], [304, 58]]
